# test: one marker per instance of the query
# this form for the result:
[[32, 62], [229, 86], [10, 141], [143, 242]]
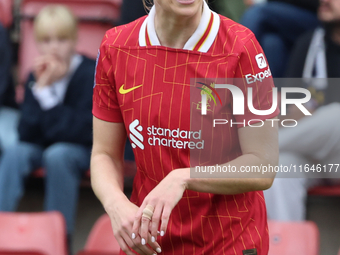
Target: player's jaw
[[180, 8]]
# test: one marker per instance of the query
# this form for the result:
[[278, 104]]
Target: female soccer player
[[143, 89]]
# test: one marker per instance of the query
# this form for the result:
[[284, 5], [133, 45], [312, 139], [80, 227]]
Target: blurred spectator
[[229, 8], [316, 139], [55, 128], [277, 24], [130, 14], [8, 114]]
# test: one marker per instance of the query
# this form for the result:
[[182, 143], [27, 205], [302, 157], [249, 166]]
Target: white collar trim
[[195, 42]]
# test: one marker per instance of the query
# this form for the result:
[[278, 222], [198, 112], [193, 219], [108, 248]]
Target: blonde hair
[[59, 17]]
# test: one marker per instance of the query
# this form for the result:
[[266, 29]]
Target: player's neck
[[173, 31]]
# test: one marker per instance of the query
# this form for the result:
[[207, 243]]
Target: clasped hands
[[138, 228]]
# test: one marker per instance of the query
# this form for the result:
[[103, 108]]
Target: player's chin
[[187, 7], [187, 2]]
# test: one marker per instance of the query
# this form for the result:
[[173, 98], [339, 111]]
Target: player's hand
[[163, 198], [122, 218], [48, 69]]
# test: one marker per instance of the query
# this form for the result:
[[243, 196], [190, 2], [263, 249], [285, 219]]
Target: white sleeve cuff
[[47, 100]]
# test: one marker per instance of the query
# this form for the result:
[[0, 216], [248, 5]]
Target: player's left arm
[[259, 148]]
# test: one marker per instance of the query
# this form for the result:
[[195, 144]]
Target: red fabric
[[23, 252], [43, 232], [331, 190], [101, 239], [293, 238], [6, 16], [201, 223]]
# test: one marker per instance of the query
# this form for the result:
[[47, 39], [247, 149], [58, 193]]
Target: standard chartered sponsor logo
[[157, 136], [171, 138], [135, 136], [258, 77]]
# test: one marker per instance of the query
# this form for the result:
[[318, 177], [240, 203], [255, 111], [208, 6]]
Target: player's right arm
[[107, 178], [107, 159]]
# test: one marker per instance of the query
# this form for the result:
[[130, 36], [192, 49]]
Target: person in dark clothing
[[330, 50], [130, 14], [9, 115], [55, 127], [315, 59], [331, 44], [277, 24], [310, 5]]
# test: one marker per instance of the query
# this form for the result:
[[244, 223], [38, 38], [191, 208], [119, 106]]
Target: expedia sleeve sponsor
[[254, 78], [258, 77]]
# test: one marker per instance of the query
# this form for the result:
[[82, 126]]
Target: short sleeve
[[253, 72], [105, 102]]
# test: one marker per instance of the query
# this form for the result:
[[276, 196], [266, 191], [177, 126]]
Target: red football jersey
[[147, 86]]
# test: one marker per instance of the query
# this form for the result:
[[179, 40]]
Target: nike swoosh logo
[[125, 91]]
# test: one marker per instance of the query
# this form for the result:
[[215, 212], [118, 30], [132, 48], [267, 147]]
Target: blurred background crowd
[[47, 64]]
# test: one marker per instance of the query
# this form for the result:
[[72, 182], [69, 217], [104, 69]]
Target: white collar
[[201, 40]]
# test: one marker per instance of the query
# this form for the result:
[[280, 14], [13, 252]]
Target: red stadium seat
[[21, 253], [329, 190], [43, 232], [92, 253], [101, 240], [339, 252], [95, 18], [290, 238], [6, 17]]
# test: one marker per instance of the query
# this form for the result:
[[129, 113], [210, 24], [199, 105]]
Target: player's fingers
[[156, 217], [136, 223], [144, 228], [154, 245], [124, 246], [144, 216], [165, 219], [138, 247], [133, 245]]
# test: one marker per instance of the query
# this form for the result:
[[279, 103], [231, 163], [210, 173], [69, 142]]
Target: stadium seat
[[95, 18], [6, 17], [339, 252], [93, 253], [101, 239], [21, 253], [291, 238], [43, 233], [329, 190]]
